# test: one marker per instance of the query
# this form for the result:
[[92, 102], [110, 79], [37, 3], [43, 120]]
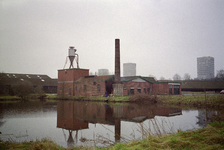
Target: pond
[[71, 123]]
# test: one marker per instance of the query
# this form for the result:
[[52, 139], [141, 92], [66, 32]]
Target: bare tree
[[187, 76], [162, 78], [176, 77], [220, 74], [152, 76]]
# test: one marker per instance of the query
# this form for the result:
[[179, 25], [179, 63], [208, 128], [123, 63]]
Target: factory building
[[7, 80], [129, 69], [77, 82], [205, 67]]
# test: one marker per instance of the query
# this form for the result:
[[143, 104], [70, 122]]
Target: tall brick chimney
[[117, 78]]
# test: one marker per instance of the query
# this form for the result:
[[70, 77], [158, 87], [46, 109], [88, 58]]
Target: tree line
[[219, 76]]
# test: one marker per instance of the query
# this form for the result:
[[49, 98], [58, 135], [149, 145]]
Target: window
[[148, 90], [98, 88], [145, 90], [84, 89], [170, 89], [125, 86], [176, 89], [132, 91], [139, 90], [70, 91]]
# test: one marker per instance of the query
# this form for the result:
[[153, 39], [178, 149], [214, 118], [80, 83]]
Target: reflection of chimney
[[117, 61]]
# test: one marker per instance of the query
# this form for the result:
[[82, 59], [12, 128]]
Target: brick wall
[[91, 88], [136, 86], [66, 78], [160, 88]]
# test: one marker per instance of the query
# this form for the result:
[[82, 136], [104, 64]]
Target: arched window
[[98, 88]]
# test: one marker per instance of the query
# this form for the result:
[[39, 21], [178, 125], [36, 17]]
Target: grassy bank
[[199, 100], [210, 137], [193, 100]]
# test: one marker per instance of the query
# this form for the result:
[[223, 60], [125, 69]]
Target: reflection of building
[[205, 67], [129, 69], [74, 116]]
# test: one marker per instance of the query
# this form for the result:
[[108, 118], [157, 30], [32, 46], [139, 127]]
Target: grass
[[208, 138], [210, 101], [211, 137]]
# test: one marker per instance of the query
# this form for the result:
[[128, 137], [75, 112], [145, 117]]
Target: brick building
[[67, 78], [77, 82], [148, 85], [94, 85]]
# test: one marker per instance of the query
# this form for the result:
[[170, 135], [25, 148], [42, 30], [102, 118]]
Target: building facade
[[67, 78], [129, 69], [205, 67]]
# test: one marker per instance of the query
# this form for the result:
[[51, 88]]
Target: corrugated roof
[[95, 78], [35, 79]]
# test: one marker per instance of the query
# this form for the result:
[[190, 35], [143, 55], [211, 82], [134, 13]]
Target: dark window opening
[[139, 90], [148, 90], [98, 88], [170, 89], [145, 90], [70, 91], [84, 89], [132, 92], [176, 89]]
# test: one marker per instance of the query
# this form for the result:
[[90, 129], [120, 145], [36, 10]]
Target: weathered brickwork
[[66, 79], [136, 87], [160, 88], [92, 89]]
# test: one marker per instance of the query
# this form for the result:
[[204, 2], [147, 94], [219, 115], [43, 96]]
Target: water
[[71, 123]]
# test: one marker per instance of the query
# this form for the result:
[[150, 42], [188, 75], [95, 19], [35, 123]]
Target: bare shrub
[[144, 97], [22, 89]]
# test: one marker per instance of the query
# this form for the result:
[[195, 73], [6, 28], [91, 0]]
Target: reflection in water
[[71, 123], [75, 116]]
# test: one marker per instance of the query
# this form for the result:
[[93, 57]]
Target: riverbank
[[197, 100], [197, 139], [210, 137]]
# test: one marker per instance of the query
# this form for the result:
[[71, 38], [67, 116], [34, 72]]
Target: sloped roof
[[126, 79], [35, 79], [95, 78]]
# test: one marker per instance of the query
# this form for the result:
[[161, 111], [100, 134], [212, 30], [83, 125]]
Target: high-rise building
[[205, 67], [103, 72], [129, 69]]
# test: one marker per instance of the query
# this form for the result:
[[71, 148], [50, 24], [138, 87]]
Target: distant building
[[103, 72], [205, 67], [129, 69], [7, 80]]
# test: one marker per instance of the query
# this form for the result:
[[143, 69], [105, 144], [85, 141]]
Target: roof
[[126, 79], [202, 84], [35, 79], [95, 79]]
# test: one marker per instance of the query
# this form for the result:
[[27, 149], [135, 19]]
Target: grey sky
[[162, 37]]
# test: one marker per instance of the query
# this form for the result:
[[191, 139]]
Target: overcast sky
[[163, 37]]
